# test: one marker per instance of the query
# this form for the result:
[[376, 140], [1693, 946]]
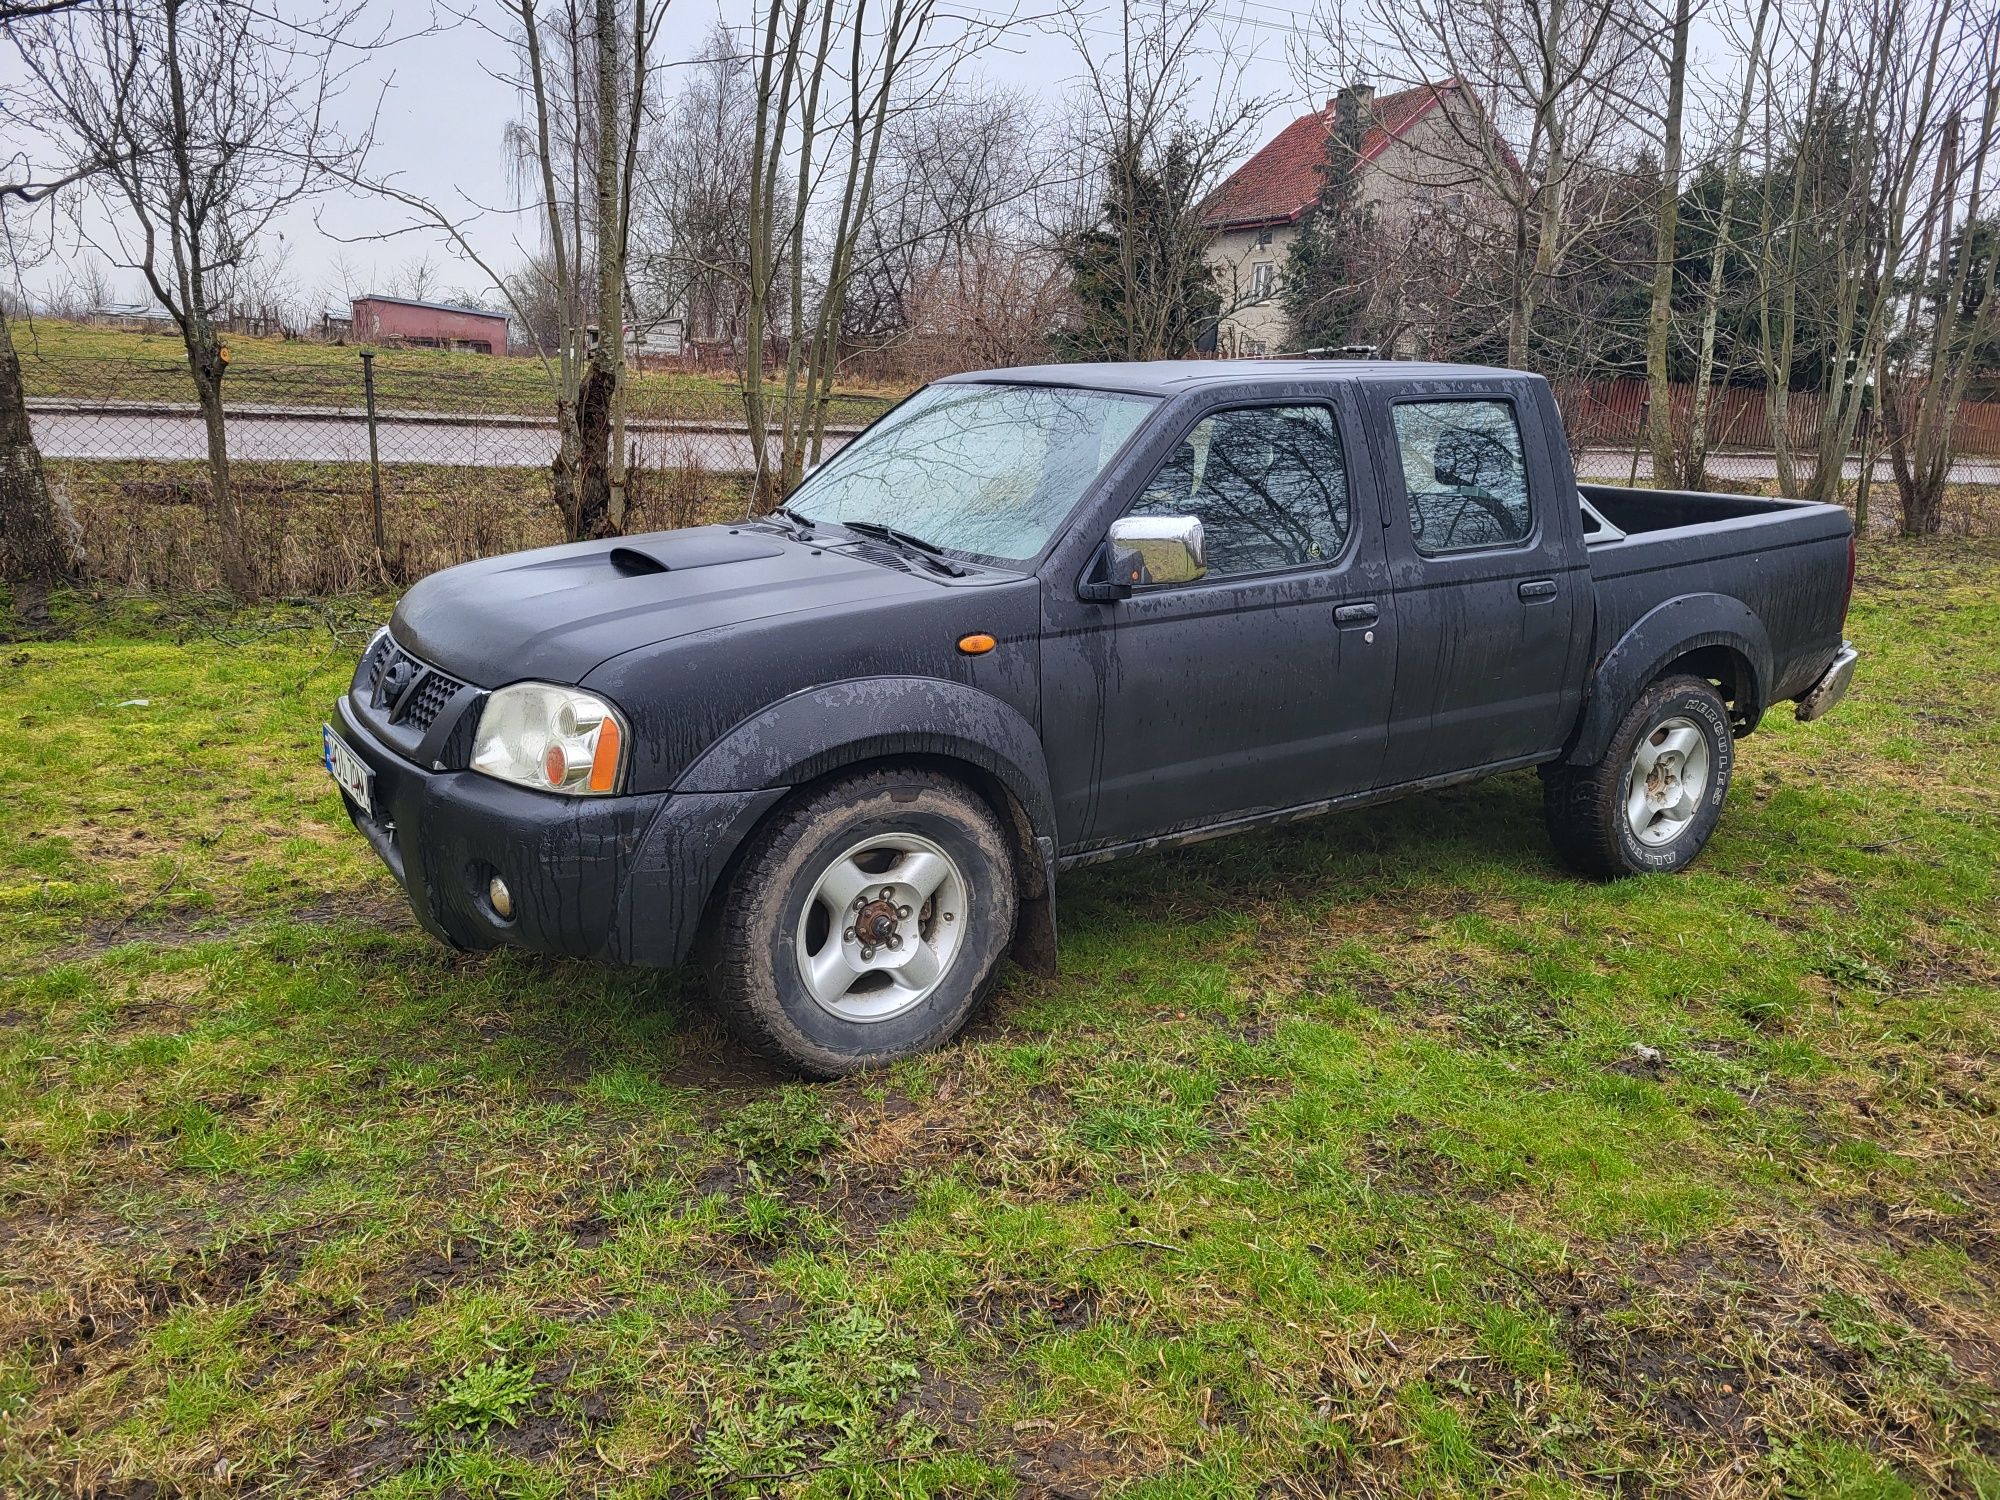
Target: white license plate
[[349, 772]]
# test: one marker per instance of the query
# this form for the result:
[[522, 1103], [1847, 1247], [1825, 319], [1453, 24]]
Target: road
[[1614, 466], [148, 430]]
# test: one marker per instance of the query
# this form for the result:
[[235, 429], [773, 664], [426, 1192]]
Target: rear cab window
[[1465, 472]]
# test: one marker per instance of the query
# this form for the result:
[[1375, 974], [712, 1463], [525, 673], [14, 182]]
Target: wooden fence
[[1611, 413]]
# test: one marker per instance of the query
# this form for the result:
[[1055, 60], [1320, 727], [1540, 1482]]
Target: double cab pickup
[[1037, 618]]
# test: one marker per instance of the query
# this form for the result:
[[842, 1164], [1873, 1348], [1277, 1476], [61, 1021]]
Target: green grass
[[1332, 1163], [99, 363]]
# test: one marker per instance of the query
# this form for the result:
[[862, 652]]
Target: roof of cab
[[1173, 377]]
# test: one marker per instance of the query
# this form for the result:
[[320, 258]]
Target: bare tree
[[1922, 377], [1694, 461], [1161, 116], [1794, 113], [951, 177], [587, 100], [692, 225], [37, 547], [830, 76], [1678, 25], [38, 550], [1923, 71], [1555, 84], [205, 120]]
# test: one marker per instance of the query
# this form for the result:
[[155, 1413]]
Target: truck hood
[[556, 613]]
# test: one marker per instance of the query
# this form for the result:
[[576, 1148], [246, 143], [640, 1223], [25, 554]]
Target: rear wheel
[[866, 922], [1653, 800]]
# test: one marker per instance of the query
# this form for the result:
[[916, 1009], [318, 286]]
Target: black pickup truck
[[1037, 618]]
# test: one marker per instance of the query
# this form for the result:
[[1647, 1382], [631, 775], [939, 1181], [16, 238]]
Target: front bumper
[[620, 879], [1821, 697]]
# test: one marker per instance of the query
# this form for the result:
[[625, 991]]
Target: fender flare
[[1670, 630], [861, 719]]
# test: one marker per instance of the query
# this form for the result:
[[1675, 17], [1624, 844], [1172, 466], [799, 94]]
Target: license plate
[[349, 772]]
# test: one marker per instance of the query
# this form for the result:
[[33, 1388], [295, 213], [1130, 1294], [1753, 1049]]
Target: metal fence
[[443, 456], [1606, 421], [446, 457]]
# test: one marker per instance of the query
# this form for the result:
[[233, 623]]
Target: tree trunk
[[1520, 300], [35, 539], [593, 442], [599, 480], [1659, 321], [1694, 469], [208, 365]]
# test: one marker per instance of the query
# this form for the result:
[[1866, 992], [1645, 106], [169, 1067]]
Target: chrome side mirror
[[1156, 549]]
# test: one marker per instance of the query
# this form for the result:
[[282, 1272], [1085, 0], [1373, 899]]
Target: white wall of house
[[1248, 264]]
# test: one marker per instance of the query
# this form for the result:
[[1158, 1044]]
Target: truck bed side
[[1763, 580]]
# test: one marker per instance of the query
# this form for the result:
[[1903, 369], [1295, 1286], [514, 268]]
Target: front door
[[1265, 684]]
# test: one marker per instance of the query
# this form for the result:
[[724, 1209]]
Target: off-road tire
[[1584, 806], [753, 969]]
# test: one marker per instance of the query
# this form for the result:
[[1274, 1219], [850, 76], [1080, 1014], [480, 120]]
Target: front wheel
[[1651, 803], [866, 922]]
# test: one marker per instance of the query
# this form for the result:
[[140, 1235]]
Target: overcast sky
[[443, 112], [445, 105]]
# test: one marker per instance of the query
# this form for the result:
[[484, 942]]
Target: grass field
[[98, 363], [1370, 1157]]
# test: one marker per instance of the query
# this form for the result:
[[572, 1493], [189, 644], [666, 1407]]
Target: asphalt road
[[1614, 466], [105, 430], [109, 430]]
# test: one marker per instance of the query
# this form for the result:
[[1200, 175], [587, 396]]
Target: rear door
[[1487, 574], [1263, 685]]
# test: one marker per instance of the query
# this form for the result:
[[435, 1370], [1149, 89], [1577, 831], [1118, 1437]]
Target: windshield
[[991, 470]]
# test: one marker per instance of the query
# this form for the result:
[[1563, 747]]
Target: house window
[[1263, 238], [1258, 348], [1260, 279], [1454, 203]]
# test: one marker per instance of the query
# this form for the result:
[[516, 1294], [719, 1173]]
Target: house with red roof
[[1422, 157]]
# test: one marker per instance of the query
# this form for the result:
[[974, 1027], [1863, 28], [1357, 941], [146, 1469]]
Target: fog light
[[501, 898]]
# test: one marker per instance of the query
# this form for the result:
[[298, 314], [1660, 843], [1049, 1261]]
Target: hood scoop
[[676, 551]]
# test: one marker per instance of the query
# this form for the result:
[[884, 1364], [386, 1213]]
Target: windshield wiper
[[800, 526], [915, 547]]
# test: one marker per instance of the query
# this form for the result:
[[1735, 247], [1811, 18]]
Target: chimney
[[1358, 96]]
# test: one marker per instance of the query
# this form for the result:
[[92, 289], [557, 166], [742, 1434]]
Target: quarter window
[[1268, 484], [1463, 468]]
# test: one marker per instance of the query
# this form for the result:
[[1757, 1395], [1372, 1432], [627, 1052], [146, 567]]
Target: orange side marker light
[[604, 763], [976, 644]]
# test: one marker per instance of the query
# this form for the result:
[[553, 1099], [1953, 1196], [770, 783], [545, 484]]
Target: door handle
[[1356, 614], [1538, 588]]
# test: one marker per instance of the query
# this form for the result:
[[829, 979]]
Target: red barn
[[428, 325]]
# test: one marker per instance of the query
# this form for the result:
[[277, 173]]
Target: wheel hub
[[881, 926], [878, 923], [1669, 778]]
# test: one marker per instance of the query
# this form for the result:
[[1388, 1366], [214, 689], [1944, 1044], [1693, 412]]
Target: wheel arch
[[804, 741], [1712, 636]]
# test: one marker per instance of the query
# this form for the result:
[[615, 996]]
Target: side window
[[1268, 483], [1463, 468]]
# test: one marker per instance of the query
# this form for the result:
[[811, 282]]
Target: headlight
[[554, 739]]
